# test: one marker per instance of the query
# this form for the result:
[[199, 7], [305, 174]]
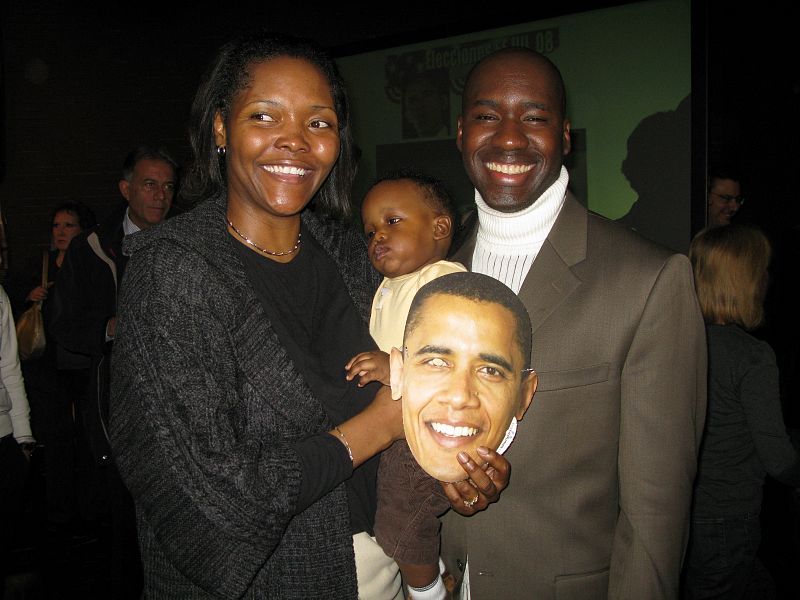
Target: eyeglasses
[[152, 186], [728, 198]]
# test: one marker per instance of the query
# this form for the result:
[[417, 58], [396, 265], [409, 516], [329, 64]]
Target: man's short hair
[[145, 152], [722, 172], [478, 288], [555, 73]]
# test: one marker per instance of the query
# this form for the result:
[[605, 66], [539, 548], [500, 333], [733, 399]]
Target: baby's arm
[[368, 366]]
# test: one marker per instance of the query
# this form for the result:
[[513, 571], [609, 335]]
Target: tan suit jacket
[[604, 460]]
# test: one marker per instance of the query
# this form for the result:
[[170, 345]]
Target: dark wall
[[754, 110], [79, 92], [81, 85]]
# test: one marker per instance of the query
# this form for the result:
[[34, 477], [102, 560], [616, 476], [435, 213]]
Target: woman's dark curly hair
[[86, 218], [225, 77]]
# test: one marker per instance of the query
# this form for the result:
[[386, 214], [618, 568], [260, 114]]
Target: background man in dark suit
[[83, 320], [602, 466]]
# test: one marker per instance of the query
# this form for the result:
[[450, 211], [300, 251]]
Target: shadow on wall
[[658, 167]]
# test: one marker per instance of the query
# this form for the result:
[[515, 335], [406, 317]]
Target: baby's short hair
[[434, 189]]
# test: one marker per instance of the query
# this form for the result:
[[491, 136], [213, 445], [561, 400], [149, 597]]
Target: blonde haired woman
[[745, 437]]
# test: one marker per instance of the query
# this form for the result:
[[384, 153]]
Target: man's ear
[[396, 373], [567, 139], [442, 227], [124, 188], [220, 137], [459, 132], [526, 392]]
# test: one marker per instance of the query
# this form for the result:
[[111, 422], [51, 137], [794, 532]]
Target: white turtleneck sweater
[[508, 243]]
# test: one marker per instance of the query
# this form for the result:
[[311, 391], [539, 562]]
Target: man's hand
[[111, 327], [483, 484]]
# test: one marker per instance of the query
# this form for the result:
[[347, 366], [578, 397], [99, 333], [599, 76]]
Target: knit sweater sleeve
[[205, 452]]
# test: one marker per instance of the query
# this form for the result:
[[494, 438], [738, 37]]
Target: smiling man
[[602, 467], [463, 374], [724, 197]]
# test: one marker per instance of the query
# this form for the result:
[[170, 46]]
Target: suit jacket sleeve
[[663, 403]]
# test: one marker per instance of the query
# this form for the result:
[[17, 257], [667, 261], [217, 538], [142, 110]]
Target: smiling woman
[[250, 457], [281, 140]]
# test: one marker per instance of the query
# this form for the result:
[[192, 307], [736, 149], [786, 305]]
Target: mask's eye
[[436, 362], [492, 373]]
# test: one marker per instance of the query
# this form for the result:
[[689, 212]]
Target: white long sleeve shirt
[[14, 410]]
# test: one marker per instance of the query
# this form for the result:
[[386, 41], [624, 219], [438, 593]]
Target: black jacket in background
[[83, 300]]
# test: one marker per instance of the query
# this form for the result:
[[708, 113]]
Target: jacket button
[[460, 564]]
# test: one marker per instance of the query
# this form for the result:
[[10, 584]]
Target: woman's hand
[[27, 450], [368, 366], [37, 293], [373, 429], [483, 484]]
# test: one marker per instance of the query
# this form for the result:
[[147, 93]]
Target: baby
[[409, 221]]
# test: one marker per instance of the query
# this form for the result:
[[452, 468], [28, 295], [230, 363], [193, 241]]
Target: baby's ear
[[442, 227]]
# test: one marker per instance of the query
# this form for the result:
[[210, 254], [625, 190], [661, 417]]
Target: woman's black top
[[318, 324]]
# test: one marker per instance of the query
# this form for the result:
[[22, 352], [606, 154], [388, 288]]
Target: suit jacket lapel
[[465, 252], [548, 283], [551, 279]]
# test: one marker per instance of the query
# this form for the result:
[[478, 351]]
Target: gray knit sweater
[[205, 407]]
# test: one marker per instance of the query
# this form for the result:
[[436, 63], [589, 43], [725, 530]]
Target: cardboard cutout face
[[461, 380]]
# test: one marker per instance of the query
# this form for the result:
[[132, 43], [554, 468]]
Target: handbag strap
[[45, 265]]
